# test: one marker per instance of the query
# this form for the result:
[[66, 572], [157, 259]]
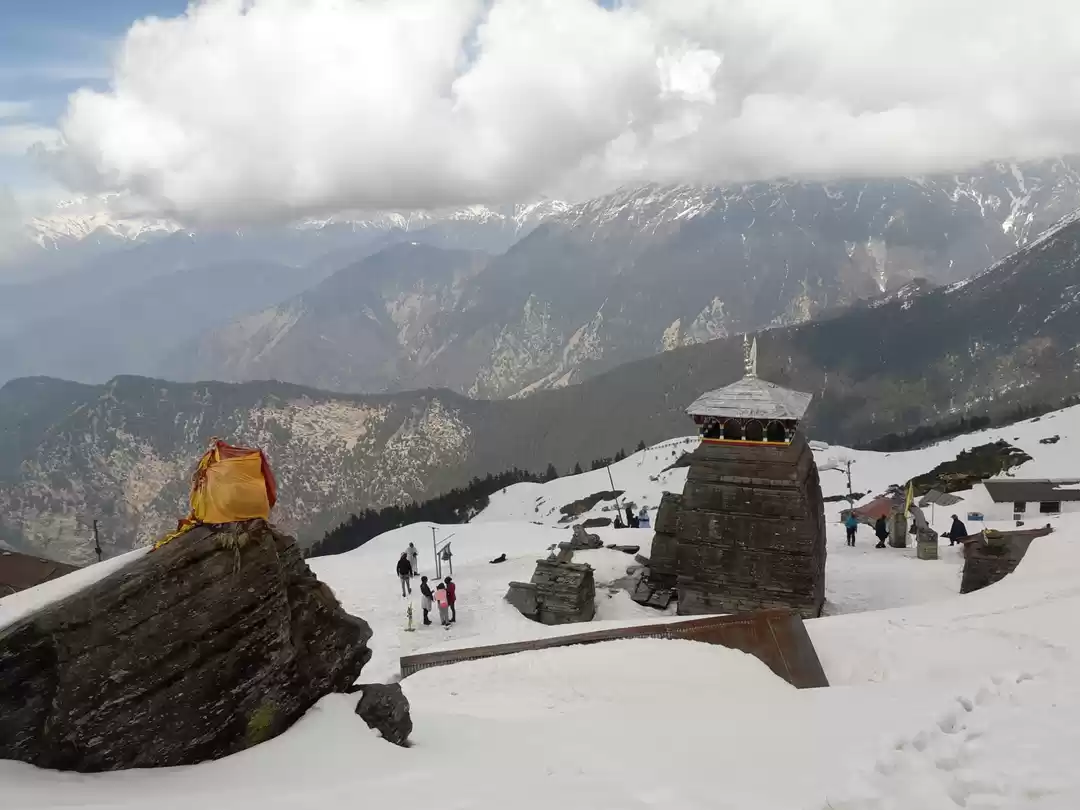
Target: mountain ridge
[[122, 452], [653, 268]]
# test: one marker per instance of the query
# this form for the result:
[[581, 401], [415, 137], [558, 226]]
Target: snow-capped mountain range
[[558, 292], [103, 217], [82, 218], [639, 271]]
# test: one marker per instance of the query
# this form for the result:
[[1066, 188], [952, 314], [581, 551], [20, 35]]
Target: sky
[[238, 110], [48, 49]]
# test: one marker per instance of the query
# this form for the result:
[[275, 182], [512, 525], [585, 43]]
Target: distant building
[[1030, 498], [21, 571]]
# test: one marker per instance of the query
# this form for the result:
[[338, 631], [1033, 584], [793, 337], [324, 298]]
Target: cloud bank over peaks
[[251, 109]]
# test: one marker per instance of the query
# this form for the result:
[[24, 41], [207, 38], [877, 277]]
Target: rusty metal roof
[[752, 397], [21, 571]]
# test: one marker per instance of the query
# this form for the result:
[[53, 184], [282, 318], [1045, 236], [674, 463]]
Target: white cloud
[[258, 108], [15, 109], [18, 138]]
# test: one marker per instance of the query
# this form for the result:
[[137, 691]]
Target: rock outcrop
[[384, 707], [581, 539], [990, 557], [970, 467], [209, 645], [586, 504]]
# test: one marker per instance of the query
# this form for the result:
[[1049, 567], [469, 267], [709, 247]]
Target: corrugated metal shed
[[938, 498], [752, 397], [1044, 490]]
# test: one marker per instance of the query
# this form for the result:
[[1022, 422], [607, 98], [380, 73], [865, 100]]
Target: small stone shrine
[[748, 530], [926, 539], [561, 591]]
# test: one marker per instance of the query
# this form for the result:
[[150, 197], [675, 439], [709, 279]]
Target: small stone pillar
[[926, 543], [926, 539], [898, 528]]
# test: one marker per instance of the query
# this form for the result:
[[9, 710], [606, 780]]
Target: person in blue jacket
[[851, 523]]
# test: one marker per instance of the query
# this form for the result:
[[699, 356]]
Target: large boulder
[[384, 707], [581, 539], [211, 644]]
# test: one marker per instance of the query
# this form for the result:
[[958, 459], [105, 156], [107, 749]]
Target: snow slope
[[938, 700]]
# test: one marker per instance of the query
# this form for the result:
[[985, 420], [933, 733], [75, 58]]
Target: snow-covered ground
[[937, 700]]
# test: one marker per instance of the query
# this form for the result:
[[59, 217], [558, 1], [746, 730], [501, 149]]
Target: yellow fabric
[[230, 489], [185, 526]]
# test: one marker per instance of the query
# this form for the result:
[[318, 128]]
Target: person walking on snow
[[957, 532], [442, 600], [404, 572], [643, 518], [451, 598], [413, 557], [426, 599], [881, 529], [851, 523]]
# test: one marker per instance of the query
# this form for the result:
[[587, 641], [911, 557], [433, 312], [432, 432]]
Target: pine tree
[[577, 469], [550, 474], [640, 446]]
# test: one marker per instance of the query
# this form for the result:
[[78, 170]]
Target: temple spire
[[750, 356]]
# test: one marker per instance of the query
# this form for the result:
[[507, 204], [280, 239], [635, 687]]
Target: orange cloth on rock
[[232, 483]]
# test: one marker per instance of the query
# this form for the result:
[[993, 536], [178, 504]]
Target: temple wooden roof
[[752, 398]]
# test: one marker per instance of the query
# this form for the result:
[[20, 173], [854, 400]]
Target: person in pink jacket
[[443, 601]]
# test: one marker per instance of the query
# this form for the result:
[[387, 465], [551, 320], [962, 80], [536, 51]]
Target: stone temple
[[748, 530]]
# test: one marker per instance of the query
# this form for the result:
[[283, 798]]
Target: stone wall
[[560, 591], [663, 558], [566, 592], [750, 532]]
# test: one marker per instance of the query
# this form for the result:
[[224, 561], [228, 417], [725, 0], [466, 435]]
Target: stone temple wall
[[663, 559], [750, 530]]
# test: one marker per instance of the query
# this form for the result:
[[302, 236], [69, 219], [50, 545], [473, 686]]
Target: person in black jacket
[[426, 598], [957, 532], [881, 529], [404, 572]]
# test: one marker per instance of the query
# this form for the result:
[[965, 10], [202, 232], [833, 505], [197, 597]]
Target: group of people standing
[[881, 529], [638, 521], [957, 531], [444, 595]]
